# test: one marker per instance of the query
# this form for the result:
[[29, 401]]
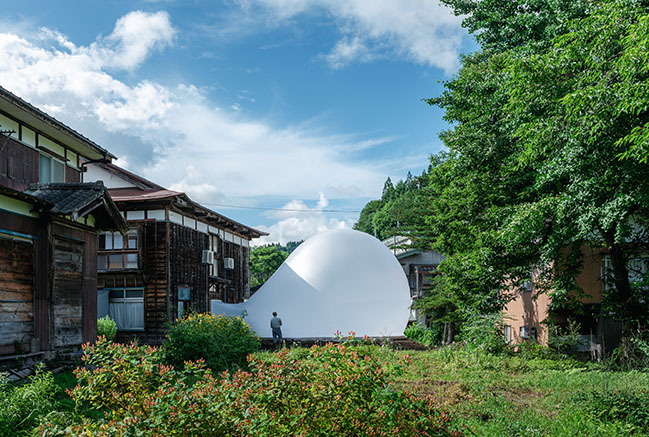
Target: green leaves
[[264, 261], [542, 116]]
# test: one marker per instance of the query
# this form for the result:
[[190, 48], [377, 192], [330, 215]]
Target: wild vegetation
[[106, 327], [342, 389], [547, 154], [351, 388], [221, 342]]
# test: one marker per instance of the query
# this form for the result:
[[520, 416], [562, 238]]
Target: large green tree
[[543, 119]]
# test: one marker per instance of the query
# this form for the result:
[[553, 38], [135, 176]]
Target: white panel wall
[[156, 214], [94, 174], [134, 215]]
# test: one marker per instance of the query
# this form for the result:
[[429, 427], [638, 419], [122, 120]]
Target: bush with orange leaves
[[336, 389]]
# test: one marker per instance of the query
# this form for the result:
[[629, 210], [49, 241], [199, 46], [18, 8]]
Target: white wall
[[95, 173]]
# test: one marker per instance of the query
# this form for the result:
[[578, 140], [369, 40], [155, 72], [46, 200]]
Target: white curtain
[[127, 315]]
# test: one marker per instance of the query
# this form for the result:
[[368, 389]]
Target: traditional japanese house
[[176, 256], [49, 227], [419, 266]]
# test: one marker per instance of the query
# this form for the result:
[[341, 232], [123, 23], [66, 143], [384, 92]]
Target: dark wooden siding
[[72, 176], [155, 268], [152, 275], [40, 269], [186, 270], [87, 241], [170, 256], [234, 290], [18, 165], [16, 295], [67, 299]]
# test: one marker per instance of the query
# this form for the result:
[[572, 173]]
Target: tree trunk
[[623, 292], [444, 334], [451, 332], [450, 337]]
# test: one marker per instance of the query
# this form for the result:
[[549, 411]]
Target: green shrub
[[632, 353], [563, 339], [531, 350], [484, 332], [421, 334], [628, 406], [223, 342], [106, 327], [23, 406], [335, 390]]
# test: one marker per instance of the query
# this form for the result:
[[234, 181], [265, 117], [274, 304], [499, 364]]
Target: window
[[184, 297], [524, 332], [51, 170], [118, 252], [507, 331], [214, 247], [637, 267], [126, 307]]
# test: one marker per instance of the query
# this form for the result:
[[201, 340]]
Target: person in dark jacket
[[276, 326]]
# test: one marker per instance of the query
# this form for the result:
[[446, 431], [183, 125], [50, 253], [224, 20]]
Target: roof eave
[[38, 119]]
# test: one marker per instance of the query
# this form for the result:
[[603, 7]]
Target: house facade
[[526, 317], [49, 228], [419, 267], [176, 256]]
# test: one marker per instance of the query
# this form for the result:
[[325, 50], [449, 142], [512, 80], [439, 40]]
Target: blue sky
[[302, 105]]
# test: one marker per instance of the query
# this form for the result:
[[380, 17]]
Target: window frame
[[108, 254], [126, 300], [51, 159]]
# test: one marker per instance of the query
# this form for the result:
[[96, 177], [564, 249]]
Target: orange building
[[527, 314]]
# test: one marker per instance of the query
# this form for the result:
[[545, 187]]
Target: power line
[[279, 209]]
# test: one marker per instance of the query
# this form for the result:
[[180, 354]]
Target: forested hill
[[398, 211]]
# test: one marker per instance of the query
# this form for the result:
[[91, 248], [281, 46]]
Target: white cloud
[[47, 67], [174, 135], [299, 222], [137, 34], [422, 31]]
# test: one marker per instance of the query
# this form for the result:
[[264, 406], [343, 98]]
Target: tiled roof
[[136, 194], [67, 198], [79, 200]]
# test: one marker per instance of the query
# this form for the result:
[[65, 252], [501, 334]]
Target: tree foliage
[[398, 212], [543, 117], [265, 260]]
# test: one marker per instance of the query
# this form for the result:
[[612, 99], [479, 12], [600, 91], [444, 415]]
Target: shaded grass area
[[513, 396]]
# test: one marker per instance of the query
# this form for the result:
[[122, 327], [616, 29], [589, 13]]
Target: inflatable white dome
[[340, 280]]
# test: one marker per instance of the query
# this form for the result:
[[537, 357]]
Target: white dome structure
[[340, 280]]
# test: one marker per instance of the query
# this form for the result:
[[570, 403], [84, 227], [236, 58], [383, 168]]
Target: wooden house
[[49, 227], [176, 256], [419, 267]]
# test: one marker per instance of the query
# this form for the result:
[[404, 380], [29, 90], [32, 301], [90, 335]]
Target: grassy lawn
[[501, 395], [511, 396]]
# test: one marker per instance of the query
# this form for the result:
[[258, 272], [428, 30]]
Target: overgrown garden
[[479, 386]]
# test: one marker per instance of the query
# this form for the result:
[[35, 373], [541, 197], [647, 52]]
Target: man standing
[[276, 326]]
